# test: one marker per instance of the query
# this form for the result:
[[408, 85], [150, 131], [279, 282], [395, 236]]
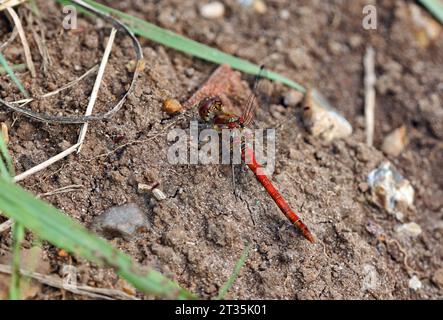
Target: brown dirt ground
[[198, 233]]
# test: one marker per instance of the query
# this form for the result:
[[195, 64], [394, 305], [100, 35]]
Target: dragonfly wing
[[252, 104]]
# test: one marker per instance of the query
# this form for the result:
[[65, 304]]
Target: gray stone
[[121, 221]]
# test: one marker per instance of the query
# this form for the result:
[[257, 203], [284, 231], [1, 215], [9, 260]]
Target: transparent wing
[[251, 105]]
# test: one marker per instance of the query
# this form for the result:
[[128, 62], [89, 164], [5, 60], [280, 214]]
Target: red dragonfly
[[211, 110]]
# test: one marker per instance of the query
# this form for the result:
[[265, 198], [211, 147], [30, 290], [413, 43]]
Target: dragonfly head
[[209, 107]]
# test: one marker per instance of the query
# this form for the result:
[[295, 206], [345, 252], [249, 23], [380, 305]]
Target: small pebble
[[131, 65], [363, 187], [335, 47], [410, 229], [121, 221], [158, 194], [189, 72], [355, 41], [212, 10], [395, 142], [63, 254], [143, 188], [285, 14], [172, 106], [292, 98], [415, 283], [319, 155], [259, 6]]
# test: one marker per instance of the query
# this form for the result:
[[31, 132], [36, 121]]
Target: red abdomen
[[250, 160]]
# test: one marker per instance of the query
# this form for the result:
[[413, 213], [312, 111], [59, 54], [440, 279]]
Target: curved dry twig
[[11, 38], [70, 84], [82, 119], [18, 24]]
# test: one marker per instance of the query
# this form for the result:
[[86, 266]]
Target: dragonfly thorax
[[211, 110]]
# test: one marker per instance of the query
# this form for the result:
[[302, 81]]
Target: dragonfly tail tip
[[310, 237]]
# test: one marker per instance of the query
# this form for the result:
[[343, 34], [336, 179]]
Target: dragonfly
[[212, 111]]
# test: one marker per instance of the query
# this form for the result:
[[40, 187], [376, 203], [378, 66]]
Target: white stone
[[158, 194], [389, 189], [322, 120], [415, 283], [285, 14], [212, 10]]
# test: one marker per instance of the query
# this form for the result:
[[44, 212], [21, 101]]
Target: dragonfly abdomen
[[250, 160]]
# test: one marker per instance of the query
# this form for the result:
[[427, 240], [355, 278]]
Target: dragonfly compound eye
[[209, 108]]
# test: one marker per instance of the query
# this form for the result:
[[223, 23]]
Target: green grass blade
[[435, 7], [11, 73], [186, 45], [6, 171], [3, 170], [228, 285], [18, 234], [52, 225]]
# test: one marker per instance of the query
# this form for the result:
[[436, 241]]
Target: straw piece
[[370, 79], [96, 88]]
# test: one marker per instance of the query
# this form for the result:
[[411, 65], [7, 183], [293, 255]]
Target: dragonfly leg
[[234, 185]]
